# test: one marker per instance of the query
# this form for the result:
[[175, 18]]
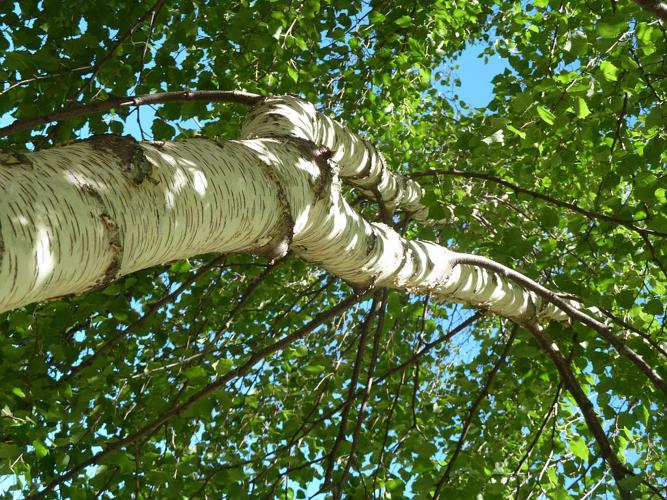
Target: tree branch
[[367, 390], [38, 78], [402, 367], [176, 409], [157, 6], [387, 428], [619, 471], [147, 315], [361, 350], [540, 196], [576, 314], [547, 416], [619, 124], [236, 96], [657, 8]]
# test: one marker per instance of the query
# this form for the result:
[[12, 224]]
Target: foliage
[[572, 191]]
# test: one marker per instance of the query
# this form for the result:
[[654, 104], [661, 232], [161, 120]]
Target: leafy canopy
[[561, 176]]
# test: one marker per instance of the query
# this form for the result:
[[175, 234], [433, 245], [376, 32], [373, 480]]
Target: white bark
[[360, 163], [76, 217]]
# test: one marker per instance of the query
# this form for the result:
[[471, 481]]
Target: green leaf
[[301, 43], [546, 115], [19, 392], [293, 74], [581, 108], [609, 71], [195, 373], [376, 17], [631, 482], [162, 130], [404, 21], [181, 266], [40, 450], [516, 131], [10, 451], [579, 449], [222, 365], [611, 30], [549, 218], [578, 42], [654, 307]]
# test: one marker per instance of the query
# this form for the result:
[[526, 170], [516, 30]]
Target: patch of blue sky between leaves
[[475, 71]]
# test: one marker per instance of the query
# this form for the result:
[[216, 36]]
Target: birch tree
[[424, 301]]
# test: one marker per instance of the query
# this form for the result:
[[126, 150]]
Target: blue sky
[[476, 75]]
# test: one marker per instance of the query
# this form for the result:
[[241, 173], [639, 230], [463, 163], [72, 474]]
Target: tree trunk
[[76, 217]]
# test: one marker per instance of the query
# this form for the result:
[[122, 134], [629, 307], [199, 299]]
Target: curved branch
[[574, 313], [541, 196], [236, 96], [360, 162]]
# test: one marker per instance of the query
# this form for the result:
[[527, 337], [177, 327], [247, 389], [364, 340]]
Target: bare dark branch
[[236, 96]]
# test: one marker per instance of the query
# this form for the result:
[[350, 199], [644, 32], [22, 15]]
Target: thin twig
[[361, 350], [367, 390], [120, 41], [619, 124], [473, 411], [547, 416], [176, 409], [148, 314], [45, 77]]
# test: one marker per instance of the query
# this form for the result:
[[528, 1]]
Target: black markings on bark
[[15, 160], [366, 170], [130, 153]]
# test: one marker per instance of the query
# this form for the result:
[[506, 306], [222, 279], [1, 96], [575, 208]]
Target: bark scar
[[112, 231], [280, 244], [321, 156], [111, 228], [130, 153], [15, 159]]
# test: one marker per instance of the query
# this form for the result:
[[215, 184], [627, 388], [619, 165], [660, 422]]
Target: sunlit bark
[[76, 217]]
